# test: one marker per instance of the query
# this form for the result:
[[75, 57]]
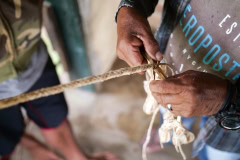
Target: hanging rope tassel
[[172, 125]]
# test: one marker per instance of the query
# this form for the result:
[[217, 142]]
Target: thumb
[[151, 46]]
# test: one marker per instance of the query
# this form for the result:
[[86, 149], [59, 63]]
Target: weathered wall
[[100, 31]]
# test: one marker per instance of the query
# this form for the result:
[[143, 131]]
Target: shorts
[[48, 112]]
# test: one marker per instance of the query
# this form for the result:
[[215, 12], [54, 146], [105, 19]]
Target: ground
[[111, 119]]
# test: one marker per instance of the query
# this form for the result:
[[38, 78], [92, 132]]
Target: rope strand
[[44, 92]]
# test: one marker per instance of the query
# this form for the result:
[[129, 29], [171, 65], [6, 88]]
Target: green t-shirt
[[20, 29], [22, 55]]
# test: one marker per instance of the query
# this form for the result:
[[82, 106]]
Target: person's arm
[[191, 93], [145, 7], [134, 31]]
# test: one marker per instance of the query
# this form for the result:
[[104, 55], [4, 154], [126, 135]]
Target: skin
[[61, 139], [191, 93], [134, 32]]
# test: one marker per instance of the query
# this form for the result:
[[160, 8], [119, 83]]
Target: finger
[[129, 51], [151, 46], [167, 86], [176, 113], [135, 41], [122, 56], [182, 113], [181, 75], [131, 58], [176, 109], [180, 110], [165, 99], [134, 56]]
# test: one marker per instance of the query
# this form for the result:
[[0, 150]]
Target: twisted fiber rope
[[44, 92], [171, 127]]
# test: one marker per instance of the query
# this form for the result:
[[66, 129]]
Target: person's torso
[[207, 39], [20, 26]]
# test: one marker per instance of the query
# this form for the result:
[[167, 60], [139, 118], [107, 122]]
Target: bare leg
[[62, 139], [38, 150]]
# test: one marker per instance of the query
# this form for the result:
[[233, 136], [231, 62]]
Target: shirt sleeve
[[145, 7]]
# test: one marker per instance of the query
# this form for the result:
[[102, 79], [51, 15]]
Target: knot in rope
[[172, 125]]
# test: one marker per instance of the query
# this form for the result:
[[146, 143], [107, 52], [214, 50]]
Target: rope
[[44, 92], [148, 137], [172, 127]]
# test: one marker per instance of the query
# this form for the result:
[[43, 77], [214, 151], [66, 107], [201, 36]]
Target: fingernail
[[159, 56]]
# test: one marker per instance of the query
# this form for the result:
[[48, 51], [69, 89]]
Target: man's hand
[[191, 93], [134, 32]]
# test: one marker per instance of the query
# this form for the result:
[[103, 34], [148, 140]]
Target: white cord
[[148, 137]]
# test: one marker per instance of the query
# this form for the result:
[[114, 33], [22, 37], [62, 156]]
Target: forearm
[[145, 7]]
